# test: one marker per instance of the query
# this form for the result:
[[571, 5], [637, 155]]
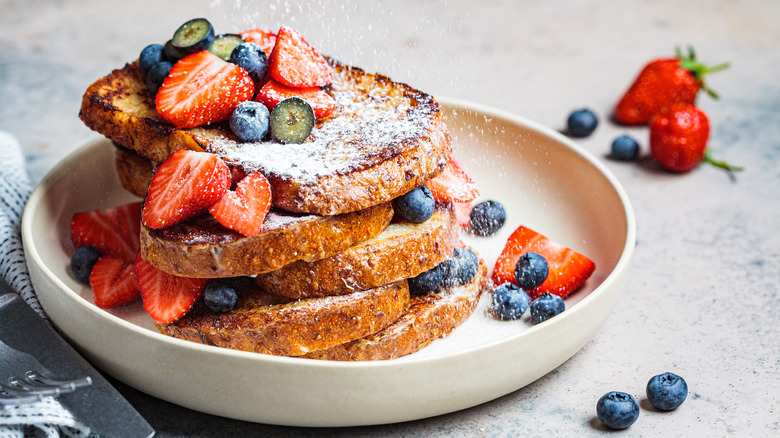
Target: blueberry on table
[[581, 122], [624, 148], [486, 218], [546, 306], [531, 270], [292, 120], [617, 410], [415, 206], [219, 296], [460, 268], [252, 59], [250, 121], [193, 36], [509, 301], [426, 282], [666, 391], [156, 75], [150, 56], [224, 44], [82, 262]]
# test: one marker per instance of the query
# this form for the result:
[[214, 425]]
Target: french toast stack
[[327, 275]]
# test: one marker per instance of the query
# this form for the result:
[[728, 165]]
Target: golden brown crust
[[201, 248], [134, 171], [403, 250], [293, 328]]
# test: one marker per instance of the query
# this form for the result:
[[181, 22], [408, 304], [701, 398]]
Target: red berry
[[113, 282], [295, 63], [244, 209], [166, 297], [114, 231], [678, 137], [453, 184], [273, 92], [262, 38]]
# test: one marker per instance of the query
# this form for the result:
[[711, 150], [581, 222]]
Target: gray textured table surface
[[702, 300]]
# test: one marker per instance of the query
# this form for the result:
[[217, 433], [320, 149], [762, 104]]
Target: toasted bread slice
[[260, 324], [430, 316], [384, 139], [403, 250], [134, 171]]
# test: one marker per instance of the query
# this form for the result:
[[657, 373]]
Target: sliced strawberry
[[568, 269], [200, 89], [462, 213], [453, 184], [295, 63], [273, 92], [184, 185], [244, 209], [114, 231], [265, 39], [166, 297], [113, 282]]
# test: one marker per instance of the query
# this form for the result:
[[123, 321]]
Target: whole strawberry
[[678, 137], [663, 82]]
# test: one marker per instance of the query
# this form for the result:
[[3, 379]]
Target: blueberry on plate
[[193, 36], [624, 148], [415, 206], [667, 391], [82, 262], [156, 75], [292, 120], [220, 296], [250, 121], [546, 306], [531, 270], [460, 268], [426, 282], [617, 410], [509, 301], [486, 218], [252, 59], [581, 122], [150, 56]]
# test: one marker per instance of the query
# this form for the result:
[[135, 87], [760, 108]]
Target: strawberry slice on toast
[[295, 63], [166, 297], [273, 92], [262, 38], [245, 208], [453, 184]]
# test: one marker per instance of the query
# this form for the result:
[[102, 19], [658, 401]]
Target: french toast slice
[[384, 139], [134, 171], [402, 250], [261, 324], [430, 316]]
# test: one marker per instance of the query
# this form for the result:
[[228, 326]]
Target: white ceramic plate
[[544, 180]]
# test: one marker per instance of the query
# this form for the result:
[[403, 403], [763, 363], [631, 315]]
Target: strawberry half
[[114, 231], [273, 92], [262, 38], [295, 63], [166, 297], [184, 185], [244, 209], [568, 269], [462, 213], [113, 282], [453, 184], [200, 89]]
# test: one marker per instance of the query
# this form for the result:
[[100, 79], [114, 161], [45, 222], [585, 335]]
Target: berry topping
[[426, 282], [193, 36], [617, 410], [292, 120], [156, 75], [415, 206], [509, 301], [453, 184], [486, 218], [264, 39], [568, 269], [166, 297], [113, 282], [185, 184], [666, 391], [244, 209], [201, 89], [220, 296], [462, 213], [531, 270], [172, 54], [82, 262], [546, 306], [114, 231], [460, 268], [624, 148], [249, 121], [150, 56], [295, 63], [273, 92], [224, 44], [581, 122], [249, 57]]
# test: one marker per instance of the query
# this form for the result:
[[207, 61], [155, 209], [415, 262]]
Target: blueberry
[[582, 122], [460, 268], [617, 410], [249, 121], [546, 306], [531, 270], [426, 282], [667, 391], [487, 217], [172, 54], [509, 301], [82, 262], [193, 36], [150, 56], [220, 296], [415, 206], [624, 148], [249, 57], [156, 75], [292, 120]]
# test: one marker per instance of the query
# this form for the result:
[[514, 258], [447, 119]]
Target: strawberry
[[663, 82], [273, 92], [462, 213], [114, 231], [200, 89], [678, 137], [568, 269], [244, 209], [184, 185], [453, 184], [166, 297], [264, 39], [295, 63], [113, 282]]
